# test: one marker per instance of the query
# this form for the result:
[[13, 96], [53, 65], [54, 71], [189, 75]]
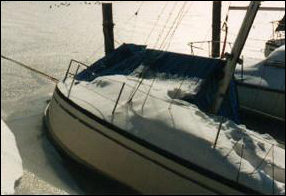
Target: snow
[[182, 129], [11, 162], [277, 55], [263, 73]]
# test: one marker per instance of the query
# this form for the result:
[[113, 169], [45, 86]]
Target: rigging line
[[262, 161], [155, 24], [240, 162], [174, 30], [96, 51], [225, 28], [137, 12], [31, 69], [174, 22], [250, 38], [157, 41], [129, 19], [165, 25], [233, 147], [136, 18], [178, 24], [148, 67], [208, 31]]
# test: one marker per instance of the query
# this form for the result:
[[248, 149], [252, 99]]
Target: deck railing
[[215, 142]]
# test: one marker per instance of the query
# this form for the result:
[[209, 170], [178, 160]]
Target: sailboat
[[278, 38], [261, 87], [141, 116]]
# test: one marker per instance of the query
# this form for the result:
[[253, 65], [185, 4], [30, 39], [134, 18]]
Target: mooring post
[[108, 27], [216, 29]]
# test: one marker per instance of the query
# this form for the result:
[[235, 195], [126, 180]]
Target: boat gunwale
[[170, 156]]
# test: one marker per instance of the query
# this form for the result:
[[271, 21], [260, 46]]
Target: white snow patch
[[264, 72], [278, 55], [11, 162]]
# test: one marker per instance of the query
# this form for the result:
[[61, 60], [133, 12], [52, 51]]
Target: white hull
[[261, 100], [271, 45], [145, 168]]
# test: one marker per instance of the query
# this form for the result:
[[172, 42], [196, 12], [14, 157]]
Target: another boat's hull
[[262, 100], [134, 162], [271, 45]]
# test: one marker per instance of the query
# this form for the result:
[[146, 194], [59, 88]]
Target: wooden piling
[[216, 23], [108, 27]]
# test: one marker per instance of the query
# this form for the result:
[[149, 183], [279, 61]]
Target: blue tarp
[[128, 57]]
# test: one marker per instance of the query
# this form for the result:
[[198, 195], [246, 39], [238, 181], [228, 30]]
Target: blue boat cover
[[128, 57]]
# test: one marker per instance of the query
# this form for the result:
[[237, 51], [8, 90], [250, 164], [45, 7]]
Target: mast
[[235, 53]]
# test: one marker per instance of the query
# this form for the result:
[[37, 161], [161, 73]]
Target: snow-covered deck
[[182, 129]]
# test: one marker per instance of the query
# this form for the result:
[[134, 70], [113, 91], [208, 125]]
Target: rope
[[164, 27], [177, 26], [88, 58], [155, 24], [240, 162], [31, 69], [262, 161], [174, 23], [225, 27], [135, 22], [147, 68]]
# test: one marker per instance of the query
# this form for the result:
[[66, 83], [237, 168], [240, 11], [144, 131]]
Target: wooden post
[[233, 58], [216, 29], [108, 27]]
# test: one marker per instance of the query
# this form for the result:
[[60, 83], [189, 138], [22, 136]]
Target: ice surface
[[46, 35]]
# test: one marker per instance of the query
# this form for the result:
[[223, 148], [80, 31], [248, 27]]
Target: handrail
[[243, 148], [70, 64]]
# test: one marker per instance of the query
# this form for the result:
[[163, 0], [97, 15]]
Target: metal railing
[[70, 65], [67, 74], [254, 138], [216, 139]]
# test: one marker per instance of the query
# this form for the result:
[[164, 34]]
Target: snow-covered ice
[[11, 162], [46, 35]]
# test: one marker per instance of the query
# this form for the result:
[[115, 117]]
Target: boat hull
[[261, 100], [273, 44], [146, 169]]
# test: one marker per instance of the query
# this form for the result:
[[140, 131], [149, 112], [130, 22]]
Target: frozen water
[[46, 35]]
